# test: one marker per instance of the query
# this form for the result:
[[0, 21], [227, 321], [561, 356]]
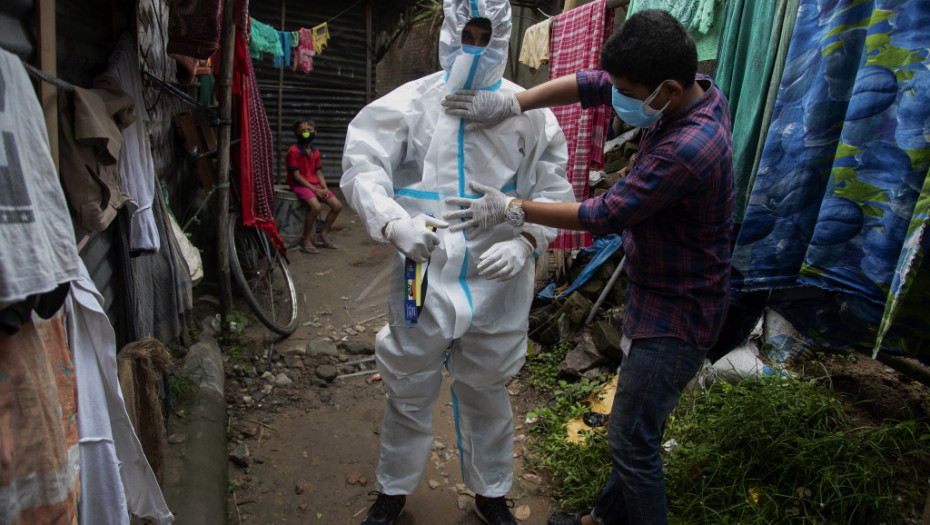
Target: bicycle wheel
[[261, 273]]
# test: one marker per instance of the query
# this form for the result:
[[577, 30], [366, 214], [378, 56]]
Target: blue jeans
[[652, 378]]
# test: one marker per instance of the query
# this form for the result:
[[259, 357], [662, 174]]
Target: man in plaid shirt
[[675, 211]]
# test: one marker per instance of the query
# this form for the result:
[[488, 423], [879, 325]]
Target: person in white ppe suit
[[403, 157]]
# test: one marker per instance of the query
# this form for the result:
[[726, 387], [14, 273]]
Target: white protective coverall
[[403, 156]]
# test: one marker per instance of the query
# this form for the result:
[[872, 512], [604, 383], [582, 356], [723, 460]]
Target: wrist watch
[[514, 213]]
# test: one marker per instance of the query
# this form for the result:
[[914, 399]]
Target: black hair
[[650, 47], [300, 121], [483, 23]]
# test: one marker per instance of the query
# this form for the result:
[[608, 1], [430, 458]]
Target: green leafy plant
[[579, 470], [232, 342], [183, 388], [764, 451], [769, 451], [544, 366], [238, 321]]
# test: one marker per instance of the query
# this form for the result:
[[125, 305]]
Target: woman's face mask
[[635, 112]]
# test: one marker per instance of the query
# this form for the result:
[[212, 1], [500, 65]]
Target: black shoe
[[564, 518], [495, 511], [385, 509]]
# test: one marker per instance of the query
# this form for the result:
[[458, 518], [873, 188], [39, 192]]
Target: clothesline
[[283, 46], [67, 86], [344, 11], [42, 75]]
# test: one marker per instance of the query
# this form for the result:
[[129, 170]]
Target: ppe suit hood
[[474, 71]]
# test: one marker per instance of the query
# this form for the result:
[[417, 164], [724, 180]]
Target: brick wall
[[409, 58]]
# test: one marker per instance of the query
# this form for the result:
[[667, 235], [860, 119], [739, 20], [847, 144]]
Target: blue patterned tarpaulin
[[840, 200]]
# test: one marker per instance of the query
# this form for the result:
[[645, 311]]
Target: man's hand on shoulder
[[485, 109]]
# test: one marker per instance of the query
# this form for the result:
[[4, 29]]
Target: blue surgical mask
[[472, 50], [635, 112]]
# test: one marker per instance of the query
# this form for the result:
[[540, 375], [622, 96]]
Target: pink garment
[[303, 53], [577, 38]]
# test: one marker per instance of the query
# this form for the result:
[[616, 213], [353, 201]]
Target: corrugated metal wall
[[331, 94]]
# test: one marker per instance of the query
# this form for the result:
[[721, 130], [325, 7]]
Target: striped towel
[[577, 38]]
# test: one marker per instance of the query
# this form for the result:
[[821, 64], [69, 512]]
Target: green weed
[[232, 342], [183, 388], [770, 451], [544, 366], [764, 451]]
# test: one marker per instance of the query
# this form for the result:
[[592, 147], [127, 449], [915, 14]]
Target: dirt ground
[[306, 452], [312, 446]]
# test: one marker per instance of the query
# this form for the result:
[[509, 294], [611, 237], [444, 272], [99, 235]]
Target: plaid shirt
[[675, 209]]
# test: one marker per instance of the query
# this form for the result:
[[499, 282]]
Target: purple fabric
[[593, 88]]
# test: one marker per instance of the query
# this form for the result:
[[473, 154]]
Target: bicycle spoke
[[262, 274]]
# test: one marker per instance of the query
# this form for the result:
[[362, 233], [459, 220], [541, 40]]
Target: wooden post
[[48, 62], [280, 141], [227, 52], [368, 51], [614, 4]]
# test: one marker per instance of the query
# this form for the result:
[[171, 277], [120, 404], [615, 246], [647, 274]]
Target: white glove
[[485, 108], [505, 259], [479, 214], [412, 236]]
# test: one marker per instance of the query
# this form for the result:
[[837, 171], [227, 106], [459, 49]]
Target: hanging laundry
[[753, 33], [839, 208], [33, 212], [115, 473], [194, 28], [136, 165], [90, 140], [535, 50], [303, 54], [161, 285], [205, 92], [577, 37], [702, 18], [256, 146], [189, 67], [320, 37], [264, 40], [285, 56], [41, 456], [40, 451]]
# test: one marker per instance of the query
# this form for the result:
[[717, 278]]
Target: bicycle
[[260, 271]]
